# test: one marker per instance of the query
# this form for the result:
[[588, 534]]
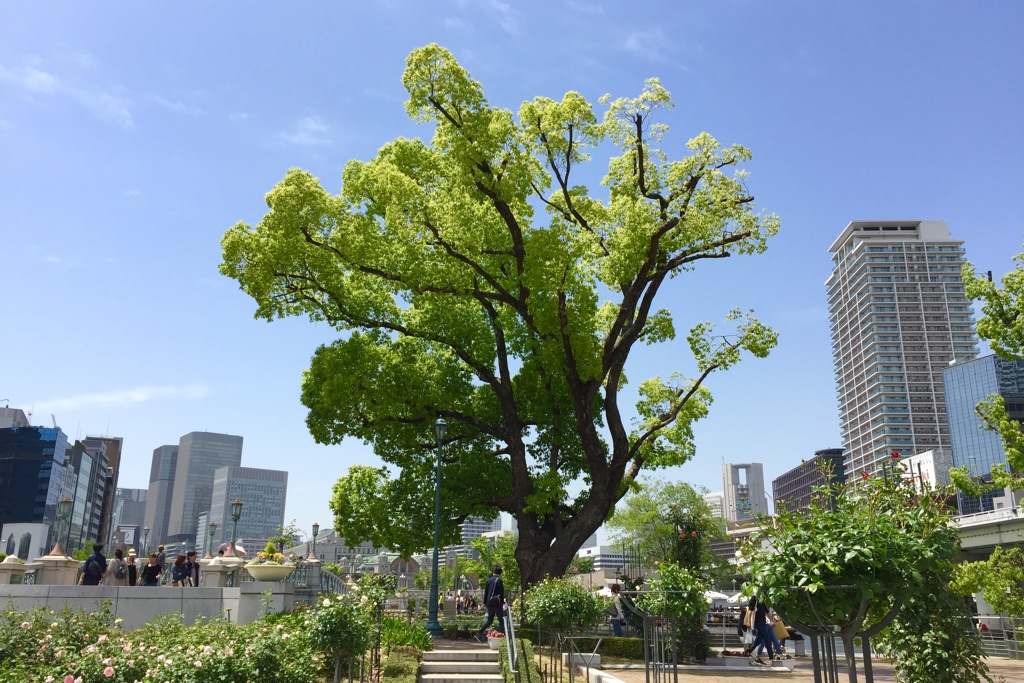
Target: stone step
[[477, 654], [460, 667], [460, 678]]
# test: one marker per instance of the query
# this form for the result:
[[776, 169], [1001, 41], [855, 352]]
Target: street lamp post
[[236, 513], [63, 509], [432, 625], [209, 546], [145, 541], [312, 548]]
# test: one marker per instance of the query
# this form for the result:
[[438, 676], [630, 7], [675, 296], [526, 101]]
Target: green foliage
[[671, 522], [398, 633], [1002, 310], [528, 671], [45, 645], [339, 628], [613, 646], [581, 565], [859, 557], [932, 640], [1002, 324], [678, 594], [1000, 578], [563, 605], [401, 666], [465, 278]]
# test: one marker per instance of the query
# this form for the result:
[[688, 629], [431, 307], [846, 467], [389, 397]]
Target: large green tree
[[473, 279], [671, 522]]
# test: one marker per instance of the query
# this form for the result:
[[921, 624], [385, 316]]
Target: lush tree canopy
[[671, 522], [473, 279]]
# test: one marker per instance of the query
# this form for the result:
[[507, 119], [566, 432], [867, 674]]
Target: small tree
[[1000, 578], [678, 594], [854, 559], [340, 628]]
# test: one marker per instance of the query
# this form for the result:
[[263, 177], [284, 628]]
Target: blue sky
[[132, 135]]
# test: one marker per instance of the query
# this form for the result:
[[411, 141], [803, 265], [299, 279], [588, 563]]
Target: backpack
[[120, 570], [92, 567]]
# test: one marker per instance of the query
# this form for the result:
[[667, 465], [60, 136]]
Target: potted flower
[[269, 565], [494, 639]]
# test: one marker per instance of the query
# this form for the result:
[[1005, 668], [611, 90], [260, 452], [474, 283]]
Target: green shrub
[[563, 605], [528, 671], [395, 633], [401, 666]]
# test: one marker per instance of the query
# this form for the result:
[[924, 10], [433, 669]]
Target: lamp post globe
[[145, 540], [209, 546], [236, 514], [432, 626], [312, 549]]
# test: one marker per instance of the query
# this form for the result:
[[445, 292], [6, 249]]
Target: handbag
[[748, 638]]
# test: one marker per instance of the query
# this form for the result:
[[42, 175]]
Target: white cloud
[[308, 131], [52, 259], [176, 106], [240, 116], [454, 22], [584, 7], [104, 105], [124, 397], [507, 19], [653, 45]]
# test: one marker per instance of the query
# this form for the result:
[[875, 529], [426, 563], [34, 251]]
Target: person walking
[[152, 572], [95, 567], [762, 631], [617, 615], [494, 601], [117, 570]]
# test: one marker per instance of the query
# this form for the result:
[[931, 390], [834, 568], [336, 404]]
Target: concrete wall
[[140, 605]]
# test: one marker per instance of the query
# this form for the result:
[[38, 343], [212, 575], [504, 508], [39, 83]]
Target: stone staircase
[[477, 665]]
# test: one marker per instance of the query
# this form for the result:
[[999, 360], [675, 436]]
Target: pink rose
[[108, 672]]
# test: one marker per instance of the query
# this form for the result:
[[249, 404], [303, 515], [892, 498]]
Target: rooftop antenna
[[7, 401], [54, 420]]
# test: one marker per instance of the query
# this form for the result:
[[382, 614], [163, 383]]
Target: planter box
[[736, 662], [494, 643], [583, 659]]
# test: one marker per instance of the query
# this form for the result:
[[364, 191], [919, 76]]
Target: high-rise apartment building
[[743, 491], [898, 316], [200, 454], [158, 498], [128, 519], [965, 385], [263, 494]]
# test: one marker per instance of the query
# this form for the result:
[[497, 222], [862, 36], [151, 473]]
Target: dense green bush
[[612, 646], [563, 605], [402, 665], [396, 632]]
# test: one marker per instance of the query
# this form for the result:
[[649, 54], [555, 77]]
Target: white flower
[[327, 602]]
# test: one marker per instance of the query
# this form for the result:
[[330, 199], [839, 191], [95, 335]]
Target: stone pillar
[[257, 599], [219, 572], [12, 570], [57, 570]]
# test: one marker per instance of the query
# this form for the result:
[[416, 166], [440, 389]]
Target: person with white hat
[[133, 568]]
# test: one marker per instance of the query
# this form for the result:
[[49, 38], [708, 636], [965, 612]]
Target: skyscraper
[[263, 494], [977, 449], [744, 497], [161, 490], [898, 316], [32, 464], [794, 490], [200, 454]]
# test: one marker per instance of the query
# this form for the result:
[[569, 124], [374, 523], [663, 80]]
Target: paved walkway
[[1011, 671]]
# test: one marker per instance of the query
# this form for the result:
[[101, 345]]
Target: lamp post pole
[[236, 513], [209, 546], [63, 508], [433, 627], [312, 549], [145, 541]]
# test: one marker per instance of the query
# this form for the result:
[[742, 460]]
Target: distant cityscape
[[907, 373]]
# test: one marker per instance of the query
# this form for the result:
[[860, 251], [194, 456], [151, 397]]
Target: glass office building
[[965, 385], [32, 461]]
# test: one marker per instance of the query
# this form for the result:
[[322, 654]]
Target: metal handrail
[[511, 646]]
